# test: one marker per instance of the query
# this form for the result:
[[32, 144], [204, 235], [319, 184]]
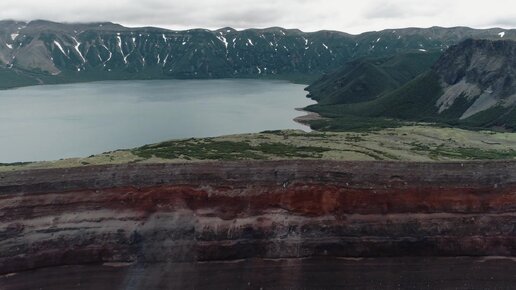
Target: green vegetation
[[192, 149], [15, 164], [13, 79], [493, 117], [350, 123], [409, 86], [417, 142], [367, 79], [209, 149], [414, 101], [466, 153], [402, 143]]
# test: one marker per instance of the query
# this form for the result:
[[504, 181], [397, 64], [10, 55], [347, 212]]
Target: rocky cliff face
[[480, 74], [71, 52], [151, 214]]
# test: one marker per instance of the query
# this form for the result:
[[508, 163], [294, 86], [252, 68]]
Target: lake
[[76, 120]]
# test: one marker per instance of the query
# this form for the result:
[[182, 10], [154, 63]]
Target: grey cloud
[[308, 15], [387, 10], [247, 17], [502, 22], [408, 9]]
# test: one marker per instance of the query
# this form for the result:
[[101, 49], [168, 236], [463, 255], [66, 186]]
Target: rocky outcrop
[[227, 211], [480, 74]]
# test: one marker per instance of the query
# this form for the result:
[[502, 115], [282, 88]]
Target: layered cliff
[[169, 213]]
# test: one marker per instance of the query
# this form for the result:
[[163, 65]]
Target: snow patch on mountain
[[60, 47], [223, 40], [76, 47]]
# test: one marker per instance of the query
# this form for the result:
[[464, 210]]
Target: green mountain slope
[[473, 84], [368, 78], [14, 78]]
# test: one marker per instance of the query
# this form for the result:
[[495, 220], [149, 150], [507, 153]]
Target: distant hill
[[472, 84], [47, 52], [368, 78]]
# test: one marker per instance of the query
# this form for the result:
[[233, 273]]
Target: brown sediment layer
[[226, 211]]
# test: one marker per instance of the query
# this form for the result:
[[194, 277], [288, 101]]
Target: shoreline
[[309, 116]]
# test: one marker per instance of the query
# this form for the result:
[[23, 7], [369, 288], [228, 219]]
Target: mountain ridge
[[49, 52]]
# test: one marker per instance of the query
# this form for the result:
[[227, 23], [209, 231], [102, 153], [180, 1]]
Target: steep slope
[[479, 80], [199, 216], [14, 78], [472, 84], [58, 52], [368, 78]]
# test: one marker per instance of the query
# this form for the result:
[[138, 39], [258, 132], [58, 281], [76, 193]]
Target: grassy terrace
[[406, 143]]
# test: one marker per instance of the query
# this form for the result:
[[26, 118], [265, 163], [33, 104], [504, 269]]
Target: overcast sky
[[309, 15]]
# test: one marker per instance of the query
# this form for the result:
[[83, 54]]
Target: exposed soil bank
[[228, 211]]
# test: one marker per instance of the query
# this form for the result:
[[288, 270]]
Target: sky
[[308, 15]]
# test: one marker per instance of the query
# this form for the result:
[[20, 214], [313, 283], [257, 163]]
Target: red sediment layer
[[233, 210]]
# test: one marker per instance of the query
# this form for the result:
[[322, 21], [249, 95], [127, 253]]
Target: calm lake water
[[60, 121]]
